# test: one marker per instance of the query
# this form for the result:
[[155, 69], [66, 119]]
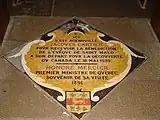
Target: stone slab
[[30, 7], [131, 100], [137, 97], [29, 28], [21, 98], [101, 8], [72, 98]]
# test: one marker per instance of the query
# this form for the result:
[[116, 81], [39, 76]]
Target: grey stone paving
[[137, 97], [85, 8], [31, 7], [100, 8]]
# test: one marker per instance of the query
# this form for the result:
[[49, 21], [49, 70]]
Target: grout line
[[53, 6], [9, 28], [152, 31], [143, 5]]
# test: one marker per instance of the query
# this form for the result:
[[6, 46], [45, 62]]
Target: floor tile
[[101, 8], [130, 100], [31, 7], [137, 97], [29, 28]]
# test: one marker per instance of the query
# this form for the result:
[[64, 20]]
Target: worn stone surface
[[131, 100], [137, 97], [29, 28], [21, 98], [31, 7], [101, 8]]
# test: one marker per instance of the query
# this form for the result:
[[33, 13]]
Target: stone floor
[[136, 98], [85, 8]]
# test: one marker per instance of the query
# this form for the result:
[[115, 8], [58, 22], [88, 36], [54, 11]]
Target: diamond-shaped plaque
[[76, 64]]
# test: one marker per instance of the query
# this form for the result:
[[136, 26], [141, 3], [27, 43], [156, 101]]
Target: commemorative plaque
[[76, 64]]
